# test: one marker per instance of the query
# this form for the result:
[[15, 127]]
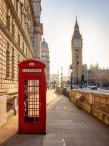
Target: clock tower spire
[[76, 47], [76, 28]]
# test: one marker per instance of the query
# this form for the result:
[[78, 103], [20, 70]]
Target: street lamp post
[[77, 51], [61, 76], [71, 87]]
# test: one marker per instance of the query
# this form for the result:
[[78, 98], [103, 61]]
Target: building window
[[21, 7], [23, 46], [19, 38], [8, 20], [8, 62], [18, 58], [26, 53], [13, 63], [17, 6], [13, 28]]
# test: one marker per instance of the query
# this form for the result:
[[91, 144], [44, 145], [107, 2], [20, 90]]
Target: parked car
[[67, 86], [92, 87]]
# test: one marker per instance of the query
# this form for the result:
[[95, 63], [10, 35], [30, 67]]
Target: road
[[99, 90]]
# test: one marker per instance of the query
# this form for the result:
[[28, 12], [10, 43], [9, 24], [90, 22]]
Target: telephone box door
[[32, 102]]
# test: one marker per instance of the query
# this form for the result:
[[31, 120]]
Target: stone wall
[[95, 103]]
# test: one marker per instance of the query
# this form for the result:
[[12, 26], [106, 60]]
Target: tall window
[[13, 28], [16, 6], [18, 57], [13, 65], [26, 52], [8, 62], [19, 38], [21, 7], [23, 46], [8, 20]]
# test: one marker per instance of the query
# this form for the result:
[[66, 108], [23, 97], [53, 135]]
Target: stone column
[[38, 31]]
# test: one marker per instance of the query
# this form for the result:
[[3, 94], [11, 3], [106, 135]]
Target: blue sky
[[58, 18]]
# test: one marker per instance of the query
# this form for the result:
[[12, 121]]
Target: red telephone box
[[32, 97]]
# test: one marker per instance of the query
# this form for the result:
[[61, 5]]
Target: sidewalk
[[66, 126]]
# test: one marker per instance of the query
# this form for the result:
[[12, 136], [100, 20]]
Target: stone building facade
[[98, 76], [76, 48], [46, 58], [20, 30]]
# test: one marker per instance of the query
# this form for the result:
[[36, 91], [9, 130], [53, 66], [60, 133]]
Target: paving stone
[[52, 141]]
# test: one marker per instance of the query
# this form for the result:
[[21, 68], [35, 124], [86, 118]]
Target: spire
[[76, 23], [43, 39], [44, 43], [76, 30]]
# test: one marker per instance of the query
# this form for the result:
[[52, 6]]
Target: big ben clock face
[[77, 43]]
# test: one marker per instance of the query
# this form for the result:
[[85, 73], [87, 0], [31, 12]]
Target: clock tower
[[76, 47]]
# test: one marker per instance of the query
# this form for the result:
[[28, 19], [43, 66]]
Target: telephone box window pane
[[31, 100]]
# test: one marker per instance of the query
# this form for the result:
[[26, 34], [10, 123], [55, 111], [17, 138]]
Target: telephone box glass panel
[[31, 101]]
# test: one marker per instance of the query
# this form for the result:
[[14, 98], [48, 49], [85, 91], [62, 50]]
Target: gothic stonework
[[76, 46]]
